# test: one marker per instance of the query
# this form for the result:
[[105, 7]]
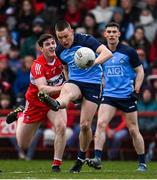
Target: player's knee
[[84, 127], [101, 125], [69, 95], [61, 129], [72, 96], [133, 131]]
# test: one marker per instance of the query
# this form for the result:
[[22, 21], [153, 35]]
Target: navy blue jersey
[[66, 55], [119, 72]]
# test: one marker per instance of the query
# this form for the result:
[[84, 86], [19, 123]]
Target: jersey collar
[[43, 60]]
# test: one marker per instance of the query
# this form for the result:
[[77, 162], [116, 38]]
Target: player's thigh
[[25, 132], [71, 90], [58, 118], [131, 119], [88, 110], [106, 113]]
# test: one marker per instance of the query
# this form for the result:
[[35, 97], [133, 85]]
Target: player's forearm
[[139, 78], [104, 55], [50, 89]]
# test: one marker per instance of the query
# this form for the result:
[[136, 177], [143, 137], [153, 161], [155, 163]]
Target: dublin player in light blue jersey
[[123, 79], [85, 84]]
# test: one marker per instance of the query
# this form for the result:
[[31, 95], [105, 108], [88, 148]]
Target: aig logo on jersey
[[114, 71]]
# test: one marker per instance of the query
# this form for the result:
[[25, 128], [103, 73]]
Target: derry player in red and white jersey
[[47, 76]]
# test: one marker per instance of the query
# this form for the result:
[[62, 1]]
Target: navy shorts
[[91, 92], [124, 104]]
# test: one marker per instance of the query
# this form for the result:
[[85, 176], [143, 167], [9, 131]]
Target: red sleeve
[[37, 70]]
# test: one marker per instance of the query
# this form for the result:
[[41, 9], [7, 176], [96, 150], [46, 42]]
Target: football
[[84, 57]]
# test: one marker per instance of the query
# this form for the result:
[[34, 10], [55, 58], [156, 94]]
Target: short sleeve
[[134, 59], [89, 41]]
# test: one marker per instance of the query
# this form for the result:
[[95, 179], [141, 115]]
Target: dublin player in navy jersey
[[123, 79], [82, 84]]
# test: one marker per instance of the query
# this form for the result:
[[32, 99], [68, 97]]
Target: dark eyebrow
[[109, 31], [50, 42]]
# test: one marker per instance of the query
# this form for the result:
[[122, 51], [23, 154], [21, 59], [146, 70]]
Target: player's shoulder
[[80, 37], [86, 40], [126, 49], [123, 46], [39, 61]]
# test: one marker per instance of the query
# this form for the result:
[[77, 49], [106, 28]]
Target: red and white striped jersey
[[53, 72]]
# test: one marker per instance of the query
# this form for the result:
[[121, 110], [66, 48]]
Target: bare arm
[[42, 86], [65, 71], [104, 54], [139, 78]]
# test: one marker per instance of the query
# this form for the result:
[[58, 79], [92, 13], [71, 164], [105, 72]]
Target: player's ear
[[119, 34], [39, 48], [72, 30], [104, 33]]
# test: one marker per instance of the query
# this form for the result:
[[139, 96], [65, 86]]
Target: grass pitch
[[40, 169]]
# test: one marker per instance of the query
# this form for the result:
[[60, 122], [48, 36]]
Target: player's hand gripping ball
[[84, 57]]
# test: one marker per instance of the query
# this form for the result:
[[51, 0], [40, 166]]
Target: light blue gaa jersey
[[119, 72], [89, 75]]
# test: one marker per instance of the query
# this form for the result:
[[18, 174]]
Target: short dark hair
[[113, 24], [61, 25], [43, 38]]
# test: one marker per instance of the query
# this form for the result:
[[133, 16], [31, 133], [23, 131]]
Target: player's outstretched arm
[[41, 83], [104, 54]]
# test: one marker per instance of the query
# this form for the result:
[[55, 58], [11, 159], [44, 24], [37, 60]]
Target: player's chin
[[52, 53], [66, 46]]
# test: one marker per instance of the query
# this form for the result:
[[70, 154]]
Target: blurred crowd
[[23, 21]]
